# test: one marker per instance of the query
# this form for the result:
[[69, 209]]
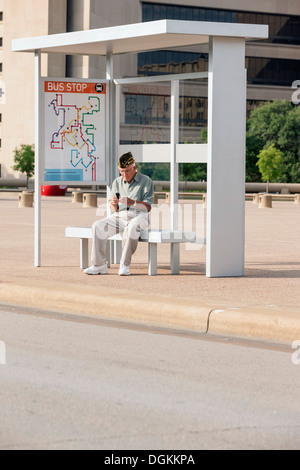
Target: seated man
[[132, 197]]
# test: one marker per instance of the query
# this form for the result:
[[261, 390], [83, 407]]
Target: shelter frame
[[226, 118]]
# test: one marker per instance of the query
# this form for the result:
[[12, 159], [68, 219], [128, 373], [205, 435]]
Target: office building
[[273, 65]]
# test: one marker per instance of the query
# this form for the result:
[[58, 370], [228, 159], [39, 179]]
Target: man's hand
[[126, 201], [114, 201]]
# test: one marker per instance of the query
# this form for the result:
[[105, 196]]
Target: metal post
[[112, 118], [175, 247], [111, 135], [38, 178], [226, 157], [173, 162]]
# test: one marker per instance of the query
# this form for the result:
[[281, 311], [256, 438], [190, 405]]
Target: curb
[[270, 324], [109, 304]]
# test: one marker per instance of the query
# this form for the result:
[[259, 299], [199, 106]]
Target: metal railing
[[165, 186]]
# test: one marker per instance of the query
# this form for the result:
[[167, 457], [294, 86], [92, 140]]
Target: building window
[[1, 15], [1, 42], [264, 71], [0, 117], [1, 67], [168, 62], [277, 72], [283, 29]]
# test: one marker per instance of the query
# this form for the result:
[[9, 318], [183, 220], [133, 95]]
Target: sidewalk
[[264, 304]]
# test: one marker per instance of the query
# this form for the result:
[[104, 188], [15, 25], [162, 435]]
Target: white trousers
[[129, 223]]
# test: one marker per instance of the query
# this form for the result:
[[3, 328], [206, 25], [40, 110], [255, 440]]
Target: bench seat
[[153, 237]]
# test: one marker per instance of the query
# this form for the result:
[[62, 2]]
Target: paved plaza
[[265, 303]]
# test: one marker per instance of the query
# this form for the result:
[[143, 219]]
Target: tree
[[192, 172], [275, 123], [270, 164], [24, 160], [267, 120], [203, 135], [253, 147], [289, 144], [156, 171]]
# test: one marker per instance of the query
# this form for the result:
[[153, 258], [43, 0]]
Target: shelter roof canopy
[[152, 35]]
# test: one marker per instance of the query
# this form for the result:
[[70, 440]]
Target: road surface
[[80, 383]]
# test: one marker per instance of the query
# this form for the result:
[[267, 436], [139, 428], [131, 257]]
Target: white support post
[[117, 120], [175, 247], [112, 118], [111, 148], [173, 162], [38, 176], [226, 157]]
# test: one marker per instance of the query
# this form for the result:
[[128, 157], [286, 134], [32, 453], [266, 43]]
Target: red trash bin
[[53, 190]]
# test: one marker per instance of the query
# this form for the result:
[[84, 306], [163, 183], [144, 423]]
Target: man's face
[[128, 173]]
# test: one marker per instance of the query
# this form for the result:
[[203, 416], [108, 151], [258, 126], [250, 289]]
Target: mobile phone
[[118, 196]]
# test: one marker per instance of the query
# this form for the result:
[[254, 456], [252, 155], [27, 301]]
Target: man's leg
[[102, 230], [131, 237]]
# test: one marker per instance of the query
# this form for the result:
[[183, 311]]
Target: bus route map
[[74, 133]]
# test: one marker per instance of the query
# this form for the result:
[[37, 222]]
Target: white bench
[[152, 237]]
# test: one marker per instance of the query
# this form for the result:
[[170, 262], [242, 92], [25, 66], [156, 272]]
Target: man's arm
[[114, 203], [130, 202]]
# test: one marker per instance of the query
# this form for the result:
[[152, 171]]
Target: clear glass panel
[[193, 105], [145, 113]]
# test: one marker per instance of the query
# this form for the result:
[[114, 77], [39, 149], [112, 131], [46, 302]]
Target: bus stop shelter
[[225, 151]]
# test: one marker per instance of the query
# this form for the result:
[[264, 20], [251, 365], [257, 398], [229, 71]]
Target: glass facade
[[162, 62], [154, 110], [277, 72], [261, 70], [284, 29], [264, 71]]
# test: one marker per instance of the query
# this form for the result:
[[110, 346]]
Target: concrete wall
[[106, 13], [24, 19], [57, 23], [17, 108]]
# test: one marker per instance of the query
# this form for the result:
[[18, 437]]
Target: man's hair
[[126, 160]]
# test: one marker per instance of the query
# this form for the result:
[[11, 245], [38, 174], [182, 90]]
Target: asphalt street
[[81, 383]]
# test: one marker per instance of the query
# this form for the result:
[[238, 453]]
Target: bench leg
[[108, 253], [84, 253], [117, 251], [175, 258], [113, 252], [152, 259]]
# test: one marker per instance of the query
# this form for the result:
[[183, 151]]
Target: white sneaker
[[124, 270], [94, 270]]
